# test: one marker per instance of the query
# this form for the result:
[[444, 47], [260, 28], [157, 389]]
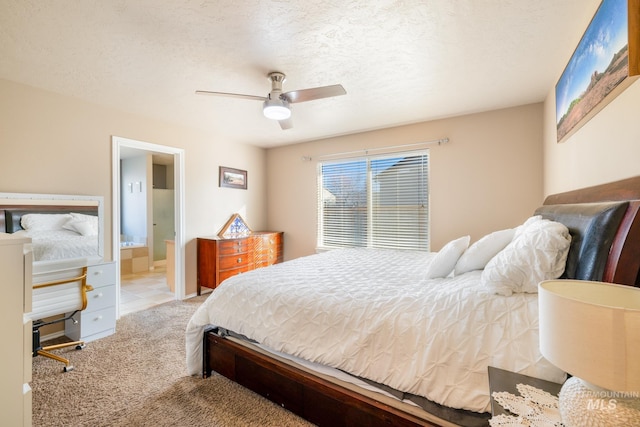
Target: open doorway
[[147, 222]]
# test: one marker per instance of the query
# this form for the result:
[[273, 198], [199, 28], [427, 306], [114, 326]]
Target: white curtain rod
[[414, 146]]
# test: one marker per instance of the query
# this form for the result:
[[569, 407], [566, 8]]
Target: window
[[376, 201]]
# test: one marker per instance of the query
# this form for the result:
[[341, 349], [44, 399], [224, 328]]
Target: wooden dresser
[[220, 258]]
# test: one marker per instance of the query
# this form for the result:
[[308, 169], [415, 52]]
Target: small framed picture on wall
[[233, 178]]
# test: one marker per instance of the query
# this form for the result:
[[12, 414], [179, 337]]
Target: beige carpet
[[137, 377]]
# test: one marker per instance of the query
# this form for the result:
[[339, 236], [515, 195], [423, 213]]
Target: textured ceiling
[[400, 61]]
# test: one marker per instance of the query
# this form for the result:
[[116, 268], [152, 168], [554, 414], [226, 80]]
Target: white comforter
[[60, 244], [372, 313]]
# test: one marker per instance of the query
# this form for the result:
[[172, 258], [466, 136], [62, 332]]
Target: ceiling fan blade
[[233, 95], [286, 123], [314, 93]]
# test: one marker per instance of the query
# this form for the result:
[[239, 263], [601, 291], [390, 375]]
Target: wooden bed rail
[[313, 398]]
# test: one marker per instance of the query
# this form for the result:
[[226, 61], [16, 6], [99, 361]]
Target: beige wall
[[61, 145], [494, 171], [489, 176], [605, 149]]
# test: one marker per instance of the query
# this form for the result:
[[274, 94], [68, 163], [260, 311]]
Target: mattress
[[373, 314]]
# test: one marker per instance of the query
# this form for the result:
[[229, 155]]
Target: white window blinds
[[380, 202]]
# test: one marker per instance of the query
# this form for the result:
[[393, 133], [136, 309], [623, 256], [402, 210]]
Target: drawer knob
[[239, 260], [100, 295], [98, 318]]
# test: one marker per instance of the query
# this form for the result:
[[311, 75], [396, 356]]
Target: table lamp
[[592, 331]]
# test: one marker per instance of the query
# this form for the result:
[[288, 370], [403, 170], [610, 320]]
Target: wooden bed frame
[[325, 403]]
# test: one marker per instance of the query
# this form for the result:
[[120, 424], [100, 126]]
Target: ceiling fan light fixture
[[276, 109]]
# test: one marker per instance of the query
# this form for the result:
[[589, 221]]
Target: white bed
[[372, 314], [61, 244], [404, 320]]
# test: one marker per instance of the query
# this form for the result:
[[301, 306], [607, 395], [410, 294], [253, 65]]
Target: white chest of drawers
[[15, 369], [98, 320]]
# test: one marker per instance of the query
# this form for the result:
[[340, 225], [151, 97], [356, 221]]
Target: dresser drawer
[[101, 297], [228, 273], [267, 262], [268, 249], [230, 247], [233, 261], [98, 321], [27, 342], [267, 256], [271, 252], [268, 240], [101, 275]]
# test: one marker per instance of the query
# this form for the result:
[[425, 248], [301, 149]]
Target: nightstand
[[502, 380]]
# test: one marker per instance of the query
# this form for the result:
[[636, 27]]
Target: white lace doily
[[534, 408]]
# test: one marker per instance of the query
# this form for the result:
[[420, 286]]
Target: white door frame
[[178, 156]]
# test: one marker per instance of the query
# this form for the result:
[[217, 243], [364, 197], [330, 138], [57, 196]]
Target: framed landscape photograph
[[233, 178], [605, 62]]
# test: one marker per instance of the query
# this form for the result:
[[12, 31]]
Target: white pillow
[[85, 217], [481, 252], [443, 262], [44, 222], [87, 225], [82, 227], [527, 223], [538, 252]]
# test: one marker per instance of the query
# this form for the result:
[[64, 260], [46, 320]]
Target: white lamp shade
[[276, 109], [592, 331]]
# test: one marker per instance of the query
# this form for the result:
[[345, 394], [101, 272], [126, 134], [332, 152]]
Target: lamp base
[[584, 405]]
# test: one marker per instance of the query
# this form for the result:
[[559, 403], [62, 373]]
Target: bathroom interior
[[146, 229]]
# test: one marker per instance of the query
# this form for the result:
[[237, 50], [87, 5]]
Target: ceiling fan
[[276, 104]]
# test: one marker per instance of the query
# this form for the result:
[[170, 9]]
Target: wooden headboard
[[621, 258]]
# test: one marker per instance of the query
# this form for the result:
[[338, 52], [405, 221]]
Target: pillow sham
[[538, 252], [444, 261], [42, 222], [481, 252]]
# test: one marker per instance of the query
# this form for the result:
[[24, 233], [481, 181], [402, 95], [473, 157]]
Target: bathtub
[[134, 257]]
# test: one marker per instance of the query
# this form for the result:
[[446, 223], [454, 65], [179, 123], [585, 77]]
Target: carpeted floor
[[137, 377]]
